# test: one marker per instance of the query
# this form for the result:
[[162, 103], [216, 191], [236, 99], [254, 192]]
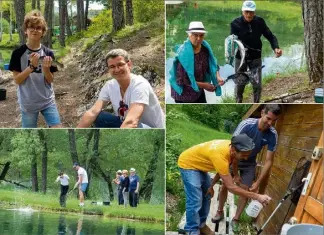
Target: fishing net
[[295, 184]]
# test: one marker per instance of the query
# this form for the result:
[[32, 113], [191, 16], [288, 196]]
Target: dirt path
[[67, 94], [294, 89]]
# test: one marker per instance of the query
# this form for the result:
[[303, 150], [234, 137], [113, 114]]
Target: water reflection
[[39, 223]]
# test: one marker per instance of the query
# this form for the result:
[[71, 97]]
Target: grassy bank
[[38, 201]]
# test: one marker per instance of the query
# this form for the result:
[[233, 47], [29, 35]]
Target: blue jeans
[[108, 120], [196, 184], [51, 116]]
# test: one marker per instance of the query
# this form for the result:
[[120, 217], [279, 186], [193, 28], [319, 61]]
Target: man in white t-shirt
[[64, 179], [132, 97], [82, 182]]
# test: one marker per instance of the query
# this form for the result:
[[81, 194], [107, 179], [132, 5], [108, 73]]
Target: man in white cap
[[133, 188], [249, 28], [196, 162], [188, 80], [82, 182]]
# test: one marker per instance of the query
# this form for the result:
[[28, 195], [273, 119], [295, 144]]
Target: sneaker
[[81, 204], [235, 226], [219, 216], [206, 231]]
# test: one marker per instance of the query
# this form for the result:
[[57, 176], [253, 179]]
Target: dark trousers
[[201, 99], [255, 79], [106, 119], [64, 190], [132, 198], [120, 197]]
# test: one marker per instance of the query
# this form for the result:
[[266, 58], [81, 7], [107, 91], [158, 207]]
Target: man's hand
[[208, 87], [278, 52], [237, 179], [254, 187], [34, 59], [220, 81], [210, 191], [263, 199]]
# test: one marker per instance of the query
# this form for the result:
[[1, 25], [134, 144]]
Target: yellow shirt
[[208, 156]]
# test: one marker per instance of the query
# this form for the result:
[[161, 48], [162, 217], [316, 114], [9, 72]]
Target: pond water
[[15, 222], [216, 19]]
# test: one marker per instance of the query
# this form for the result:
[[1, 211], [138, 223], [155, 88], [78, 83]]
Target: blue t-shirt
[[133, 182], [260, 138]]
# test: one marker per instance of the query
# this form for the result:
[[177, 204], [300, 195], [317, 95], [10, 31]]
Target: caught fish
[[55, 63], [232, 45]]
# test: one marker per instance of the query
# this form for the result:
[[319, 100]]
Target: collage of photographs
[[220, 102]]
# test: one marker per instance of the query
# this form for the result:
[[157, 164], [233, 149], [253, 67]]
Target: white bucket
[[254, 208]]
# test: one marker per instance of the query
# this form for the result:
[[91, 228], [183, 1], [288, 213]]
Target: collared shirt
[[64, 180]]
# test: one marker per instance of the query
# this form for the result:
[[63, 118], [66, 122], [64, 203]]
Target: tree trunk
[[62, 17], [118, 15], [313, 37], [1, 29], [67, 21], [33, 4], [146, 189], [78, 24], [4, 170], [82, 14], [73, 150], [19, 6], [106, 178], [10, 21], [34, 174], [38, 4], [86, 14], [129, 12], [47, 39], [44, 159]]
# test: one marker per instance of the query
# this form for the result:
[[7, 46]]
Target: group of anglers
[[127, 187], [195, 68]]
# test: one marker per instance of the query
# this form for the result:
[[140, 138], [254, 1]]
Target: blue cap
[[75, 164]]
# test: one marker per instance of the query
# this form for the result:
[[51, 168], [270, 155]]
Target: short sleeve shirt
[[269, 137], [133, 180], [208, 156], [84, 175], [34, 93], [138, 91]]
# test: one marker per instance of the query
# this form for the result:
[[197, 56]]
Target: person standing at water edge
[[263, 133], [125, 187], [249, 28], [33, 77], [133, 188], [133, 100], [82, 182], [119, 181], [64, 179], [194, 68], [196, 162]]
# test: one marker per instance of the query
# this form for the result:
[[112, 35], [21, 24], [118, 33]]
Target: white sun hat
[[196, 27], [248, 6]]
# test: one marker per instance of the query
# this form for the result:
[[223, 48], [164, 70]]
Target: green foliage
[[147, 10], [101, 24], [6, 43], [5, 25]]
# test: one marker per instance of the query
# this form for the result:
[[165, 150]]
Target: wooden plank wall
[[299, 129]]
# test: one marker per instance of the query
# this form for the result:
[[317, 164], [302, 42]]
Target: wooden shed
[[300, 130]]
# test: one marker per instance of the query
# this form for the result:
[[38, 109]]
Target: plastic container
[[318, 97], [285, 228], [6, 66], [305, 229], [3, 94], [254, 208]]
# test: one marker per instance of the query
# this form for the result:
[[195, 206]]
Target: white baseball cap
[[196, 27], [248, 6], [119, 171], [132, 169]]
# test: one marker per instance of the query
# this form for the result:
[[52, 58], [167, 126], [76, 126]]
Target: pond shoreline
[[85, 211]]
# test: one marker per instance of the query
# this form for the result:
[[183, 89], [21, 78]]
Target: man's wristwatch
[[32, 67]]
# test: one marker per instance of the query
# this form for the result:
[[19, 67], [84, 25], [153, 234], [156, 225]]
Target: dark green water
[[40, 223], [217, 18]]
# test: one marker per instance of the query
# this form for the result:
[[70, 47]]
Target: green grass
[[39, 201]]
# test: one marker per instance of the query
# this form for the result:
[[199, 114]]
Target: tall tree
[[38, 4], [80, 15], [33, 4], [33, 171], [129, 12], [62, 18], [1, 28], [86, 14], [73, 150], [146, 189], [118, 15], [313, 37], [10, 20], [19, 6], [44, 159], [49, 6], [67, 21]]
